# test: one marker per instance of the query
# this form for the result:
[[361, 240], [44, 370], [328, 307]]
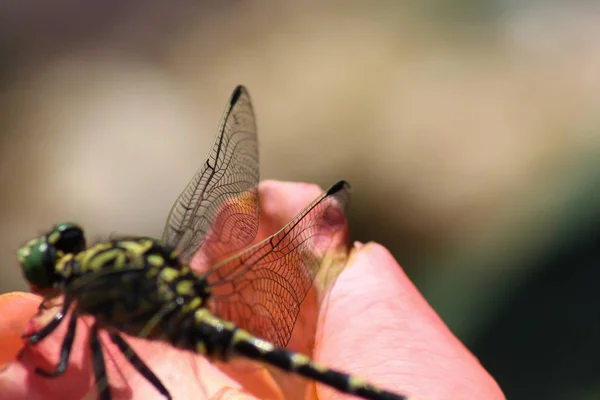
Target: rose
[[374, 324]]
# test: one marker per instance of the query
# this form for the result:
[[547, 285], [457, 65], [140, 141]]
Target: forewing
[[222, 197], [262, 288]]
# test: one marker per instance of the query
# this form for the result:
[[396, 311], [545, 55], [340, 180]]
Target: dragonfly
[[245, 304]]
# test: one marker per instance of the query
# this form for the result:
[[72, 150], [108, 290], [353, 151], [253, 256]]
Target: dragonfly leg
[[98, 362], [65, 351], [36, 337], [139, 365]]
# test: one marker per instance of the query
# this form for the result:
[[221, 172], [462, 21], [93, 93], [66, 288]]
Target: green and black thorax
[[124, 282]]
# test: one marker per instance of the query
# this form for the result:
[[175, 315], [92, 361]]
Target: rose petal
[[15, 310], [279, 202], [376, 324], [174, 367], [388, 335]]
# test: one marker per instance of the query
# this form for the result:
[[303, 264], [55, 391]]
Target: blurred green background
[[469, 131]]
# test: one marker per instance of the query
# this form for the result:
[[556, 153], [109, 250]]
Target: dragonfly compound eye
[[67, 237], [38, 260]]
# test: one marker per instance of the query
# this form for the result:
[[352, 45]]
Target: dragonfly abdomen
[[219, 340], [251, 347]]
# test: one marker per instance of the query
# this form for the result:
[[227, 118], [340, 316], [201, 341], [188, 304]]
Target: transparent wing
[[261, 289], [223, 195]]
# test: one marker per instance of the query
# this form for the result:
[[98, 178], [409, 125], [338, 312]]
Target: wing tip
[[237, 92], [336, 187]]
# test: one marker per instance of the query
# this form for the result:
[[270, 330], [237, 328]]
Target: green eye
[[38, 261]]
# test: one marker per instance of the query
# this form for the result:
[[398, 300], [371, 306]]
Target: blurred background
[[469, 131]]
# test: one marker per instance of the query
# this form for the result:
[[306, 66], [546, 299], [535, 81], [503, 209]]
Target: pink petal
[[376, 324]]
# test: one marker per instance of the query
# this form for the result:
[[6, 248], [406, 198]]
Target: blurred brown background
[[468, 129]]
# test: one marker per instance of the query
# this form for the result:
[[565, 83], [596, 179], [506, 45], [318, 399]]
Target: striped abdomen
[[220, 339], [254, 348]]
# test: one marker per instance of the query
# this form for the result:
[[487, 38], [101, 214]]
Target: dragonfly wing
[[262, 288], [218, 209]]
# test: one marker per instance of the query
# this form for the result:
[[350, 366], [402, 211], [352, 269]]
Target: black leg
[[65, 351], [51, 326], [139, 365], [99, 366]]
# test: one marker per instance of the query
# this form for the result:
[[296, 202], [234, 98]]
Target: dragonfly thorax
[[128, 281]]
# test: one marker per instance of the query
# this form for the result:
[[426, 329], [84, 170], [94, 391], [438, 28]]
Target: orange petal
[[15, 311], [377, 325]]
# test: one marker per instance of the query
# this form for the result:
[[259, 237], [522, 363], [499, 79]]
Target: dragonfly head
[[39, 256]]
